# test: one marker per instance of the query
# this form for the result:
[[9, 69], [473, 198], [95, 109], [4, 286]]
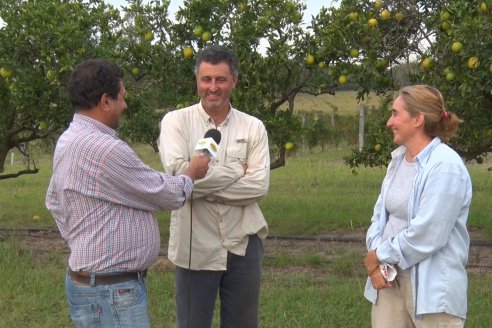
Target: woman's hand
[[378, 281], [371, 262]]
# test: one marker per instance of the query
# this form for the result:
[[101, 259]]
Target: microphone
[[209, 144]]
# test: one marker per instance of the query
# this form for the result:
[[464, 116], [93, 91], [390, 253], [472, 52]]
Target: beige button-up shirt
[[224, 207]]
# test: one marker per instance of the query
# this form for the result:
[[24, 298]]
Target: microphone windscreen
[[214, 134]]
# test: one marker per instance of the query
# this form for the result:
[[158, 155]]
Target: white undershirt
[[397, 199]]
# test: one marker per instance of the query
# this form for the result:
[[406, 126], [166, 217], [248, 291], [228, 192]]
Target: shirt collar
[[93, 124], [424, 154], [208, 120]]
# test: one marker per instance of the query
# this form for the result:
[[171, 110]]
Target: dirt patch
[[321, 248]]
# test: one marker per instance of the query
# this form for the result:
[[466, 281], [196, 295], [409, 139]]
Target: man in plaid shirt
[[103, 199]]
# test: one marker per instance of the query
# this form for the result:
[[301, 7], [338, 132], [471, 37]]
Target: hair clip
[[445, 114]]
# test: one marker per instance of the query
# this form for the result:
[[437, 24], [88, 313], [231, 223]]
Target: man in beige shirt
[[223, 217]]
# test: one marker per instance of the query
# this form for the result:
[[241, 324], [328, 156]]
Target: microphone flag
[[209, 143]]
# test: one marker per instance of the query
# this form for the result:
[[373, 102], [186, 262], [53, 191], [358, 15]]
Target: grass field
[[314, 194], [344, 102]]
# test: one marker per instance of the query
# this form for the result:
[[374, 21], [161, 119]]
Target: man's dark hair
[[90, 80], [216, 54]]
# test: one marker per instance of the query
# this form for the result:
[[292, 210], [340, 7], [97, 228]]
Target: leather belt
[[84, 278]]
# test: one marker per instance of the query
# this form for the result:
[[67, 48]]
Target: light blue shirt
[[435, 244]]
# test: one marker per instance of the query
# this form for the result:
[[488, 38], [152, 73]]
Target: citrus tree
[[376, 46], [148, 55], [273, 49], [465, 75], [40, 43], [384, 45]]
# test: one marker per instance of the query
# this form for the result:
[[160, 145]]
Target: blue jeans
[[238, 288], [117, 305]]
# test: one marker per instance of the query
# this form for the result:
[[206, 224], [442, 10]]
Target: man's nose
[[213, 85]]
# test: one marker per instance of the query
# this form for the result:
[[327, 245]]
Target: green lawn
[[344, 102], [314, 194]]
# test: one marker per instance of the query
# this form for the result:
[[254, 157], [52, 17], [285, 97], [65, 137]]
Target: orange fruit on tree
[[354, 52], [135, 71], [372, 22], [206, 36], [342, 79], [353, 16], [5, 72], [310, 59], [427, 63], [473, 62], [449, 76], [188, 52], [149, 36], [385, 14], [399, 16], [198, 30], [445, 15], [456, 47], [483, 7]]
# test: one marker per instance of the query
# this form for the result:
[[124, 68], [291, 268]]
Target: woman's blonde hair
[[430, 102]]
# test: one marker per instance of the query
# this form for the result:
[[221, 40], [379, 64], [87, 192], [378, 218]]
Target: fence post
[[302, 116], [362, 111]]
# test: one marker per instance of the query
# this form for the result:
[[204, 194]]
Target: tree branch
[[15, 175]]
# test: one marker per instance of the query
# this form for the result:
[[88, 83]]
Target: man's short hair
[[216, 54], [90, 80]]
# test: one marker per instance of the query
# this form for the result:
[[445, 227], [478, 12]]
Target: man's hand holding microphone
[[197, 167], [207, 148]]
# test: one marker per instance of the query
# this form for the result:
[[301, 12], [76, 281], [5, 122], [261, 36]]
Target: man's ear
[[104, 102]]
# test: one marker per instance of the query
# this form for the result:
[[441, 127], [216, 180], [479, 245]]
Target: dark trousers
[[238, 288]]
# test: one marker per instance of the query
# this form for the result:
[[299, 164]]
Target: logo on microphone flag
[[209, 145]]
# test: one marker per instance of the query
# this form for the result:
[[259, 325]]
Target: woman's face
[[404, 126]]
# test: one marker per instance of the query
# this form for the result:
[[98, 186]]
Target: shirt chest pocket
[[237, 153]]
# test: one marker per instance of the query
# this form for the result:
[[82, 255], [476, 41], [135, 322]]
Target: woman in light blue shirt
[[419, 220]]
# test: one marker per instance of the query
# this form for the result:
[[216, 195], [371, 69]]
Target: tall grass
[[315, 193]]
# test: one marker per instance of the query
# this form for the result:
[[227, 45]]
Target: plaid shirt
[[103, 199]]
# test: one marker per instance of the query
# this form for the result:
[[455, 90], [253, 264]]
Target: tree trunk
[[4, 150], [3, 157]]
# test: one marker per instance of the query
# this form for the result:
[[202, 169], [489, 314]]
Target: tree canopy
[[375, 46]]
